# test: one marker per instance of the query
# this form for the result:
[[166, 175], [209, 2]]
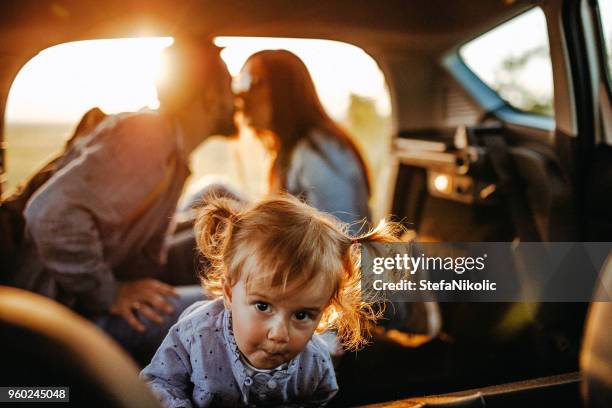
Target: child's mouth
[[277, 354]]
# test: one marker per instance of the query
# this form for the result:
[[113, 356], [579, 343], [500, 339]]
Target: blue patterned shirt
[[199, 365]]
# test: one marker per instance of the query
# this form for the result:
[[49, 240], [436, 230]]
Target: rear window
[[56, 87], [513, 59]]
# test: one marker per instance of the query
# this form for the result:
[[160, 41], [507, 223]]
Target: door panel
[[469, 204]]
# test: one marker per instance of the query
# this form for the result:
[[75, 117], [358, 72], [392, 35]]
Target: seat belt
[[509, 185]]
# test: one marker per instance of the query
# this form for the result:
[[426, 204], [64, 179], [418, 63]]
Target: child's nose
[[278, 331]]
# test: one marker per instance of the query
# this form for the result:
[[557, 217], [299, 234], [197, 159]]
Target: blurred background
[[58, 85]]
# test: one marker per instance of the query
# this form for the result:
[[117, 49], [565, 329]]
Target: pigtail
[[213, 230], [353, 312], [385, 231]]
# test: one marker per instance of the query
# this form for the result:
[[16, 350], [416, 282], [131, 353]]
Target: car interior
[[466, 166]]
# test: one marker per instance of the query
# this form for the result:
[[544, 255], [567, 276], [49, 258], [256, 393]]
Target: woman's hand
[[145, 297]]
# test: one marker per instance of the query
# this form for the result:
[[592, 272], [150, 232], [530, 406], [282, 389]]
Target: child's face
[[270, 326]]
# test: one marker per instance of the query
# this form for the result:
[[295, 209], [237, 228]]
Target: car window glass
[[514, 60], [56, 87]]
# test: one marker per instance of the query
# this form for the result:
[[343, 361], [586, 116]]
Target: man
[[96, 231]]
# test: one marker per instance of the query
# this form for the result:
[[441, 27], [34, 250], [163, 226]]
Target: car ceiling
[[405, 37], [28, 26]]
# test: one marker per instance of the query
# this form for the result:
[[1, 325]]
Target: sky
[[62, 82], [523, 33]]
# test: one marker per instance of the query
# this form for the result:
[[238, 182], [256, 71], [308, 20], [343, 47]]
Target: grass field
[[29, 146]]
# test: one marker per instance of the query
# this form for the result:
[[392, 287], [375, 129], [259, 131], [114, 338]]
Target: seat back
[[596, 354], [42, 343]]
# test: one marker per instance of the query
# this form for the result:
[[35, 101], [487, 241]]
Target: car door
[[532, 167]]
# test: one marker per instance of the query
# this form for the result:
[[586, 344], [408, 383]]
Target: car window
[[54, 89], [352, 89], [605, 13], [513, 59]]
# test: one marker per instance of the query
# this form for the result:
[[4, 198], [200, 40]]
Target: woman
[[313, 157]]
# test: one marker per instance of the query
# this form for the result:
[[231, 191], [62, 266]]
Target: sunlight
[[338, 69], [119, 75], [63, 81]]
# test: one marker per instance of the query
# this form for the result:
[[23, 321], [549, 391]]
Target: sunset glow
[[119, 75]]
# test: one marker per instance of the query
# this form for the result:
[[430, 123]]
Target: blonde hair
[[283, 241]]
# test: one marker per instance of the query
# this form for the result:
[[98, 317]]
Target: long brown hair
[[297, 110], [282, 240]]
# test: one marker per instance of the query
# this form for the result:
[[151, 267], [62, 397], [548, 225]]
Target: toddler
[[282, 272]]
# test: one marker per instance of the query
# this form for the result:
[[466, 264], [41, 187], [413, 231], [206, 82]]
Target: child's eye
[[302, 315], [262, 306]]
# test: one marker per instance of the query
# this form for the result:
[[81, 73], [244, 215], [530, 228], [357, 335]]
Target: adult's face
[[184, 91], [253, 96], [223, 101]]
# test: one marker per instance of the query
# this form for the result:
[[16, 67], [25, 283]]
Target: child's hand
[[145, 296]]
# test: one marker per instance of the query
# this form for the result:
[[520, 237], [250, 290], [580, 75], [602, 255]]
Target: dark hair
[[192, 69], [296, 110]]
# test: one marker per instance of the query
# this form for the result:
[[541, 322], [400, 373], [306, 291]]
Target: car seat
[[596, 356], [43, 343]]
